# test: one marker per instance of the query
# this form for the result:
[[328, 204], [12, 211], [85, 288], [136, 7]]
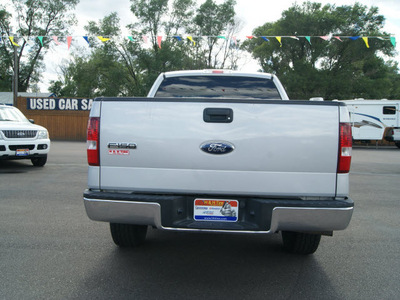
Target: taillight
[[345, 146], [93, 134]]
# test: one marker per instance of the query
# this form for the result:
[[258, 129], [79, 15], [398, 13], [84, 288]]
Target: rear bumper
[[256, 215]]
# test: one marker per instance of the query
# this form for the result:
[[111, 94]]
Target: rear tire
[[128, 235], [300, 243], [39, 161]]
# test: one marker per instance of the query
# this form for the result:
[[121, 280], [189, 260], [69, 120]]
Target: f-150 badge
[[217, 147]]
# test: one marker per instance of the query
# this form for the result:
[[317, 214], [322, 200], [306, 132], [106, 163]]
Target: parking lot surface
[[49, 249]]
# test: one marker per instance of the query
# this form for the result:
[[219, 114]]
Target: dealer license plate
[[22, 152], [216, 210]]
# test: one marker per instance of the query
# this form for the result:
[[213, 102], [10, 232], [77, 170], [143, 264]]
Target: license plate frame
[[216, 210]]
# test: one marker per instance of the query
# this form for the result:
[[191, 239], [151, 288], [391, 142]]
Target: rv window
[[389, 110]]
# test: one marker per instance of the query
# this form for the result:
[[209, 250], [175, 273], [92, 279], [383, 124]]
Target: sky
[[252, 13]]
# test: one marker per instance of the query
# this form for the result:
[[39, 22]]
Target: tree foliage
[[28, 20], [102, 72], [210, 21], [123, 69], [331, 69], [156, 18]]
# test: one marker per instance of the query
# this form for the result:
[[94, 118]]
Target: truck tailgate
[[280, 148]]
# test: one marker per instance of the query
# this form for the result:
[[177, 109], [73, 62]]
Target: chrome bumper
[[303, 219]]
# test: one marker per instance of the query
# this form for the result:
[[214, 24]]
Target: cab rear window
[[218, 87]]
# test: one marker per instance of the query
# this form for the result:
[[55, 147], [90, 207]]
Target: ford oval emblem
[[217, 147]]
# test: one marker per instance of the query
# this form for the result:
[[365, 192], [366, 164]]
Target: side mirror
[[32, 121]]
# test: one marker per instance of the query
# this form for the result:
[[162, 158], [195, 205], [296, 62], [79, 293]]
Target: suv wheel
[[39, 161]]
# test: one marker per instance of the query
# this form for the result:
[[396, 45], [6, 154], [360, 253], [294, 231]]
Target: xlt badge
[[216, 147]]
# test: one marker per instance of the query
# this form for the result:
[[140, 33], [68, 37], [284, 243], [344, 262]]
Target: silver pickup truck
[[219, 151]]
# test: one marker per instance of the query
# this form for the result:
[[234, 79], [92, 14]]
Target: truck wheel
[[39, 161], [128, 235], [300, 243], [397, 144]]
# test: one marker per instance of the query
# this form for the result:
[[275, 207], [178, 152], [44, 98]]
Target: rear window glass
[[218, 87]]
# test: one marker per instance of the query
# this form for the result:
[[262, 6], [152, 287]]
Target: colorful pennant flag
[[86, 39], [191, 39], [69, 41], [55, 39], [234, 40], [393, 41], [12, 41], [178, 38], [265, 38], [279, 38], [131, 38], [159, 39], [145, 40], [40, 38], [249, 36], [354, 37], [308, 38], [366, 41], [103, 39], [29, 41]]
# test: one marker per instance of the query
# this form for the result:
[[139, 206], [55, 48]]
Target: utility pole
[[15, 78]]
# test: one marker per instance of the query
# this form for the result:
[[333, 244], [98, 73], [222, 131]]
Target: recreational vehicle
[[375, 119]]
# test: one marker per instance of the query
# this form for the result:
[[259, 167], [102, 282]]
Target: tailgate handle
[[218, 115]]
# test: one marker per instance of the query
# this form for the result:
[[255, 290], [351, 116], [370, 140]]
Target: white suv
[[20, 139]]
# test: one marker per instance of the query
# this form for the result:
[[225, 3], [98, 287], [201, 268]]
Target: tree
[[214, 21], [160, 18], [129, 68], [105, 70], [335, 69], [33, 19]]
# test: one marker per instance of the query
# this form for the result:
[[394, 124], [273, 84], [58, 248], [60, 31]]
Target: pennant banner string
[[56, 39]]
